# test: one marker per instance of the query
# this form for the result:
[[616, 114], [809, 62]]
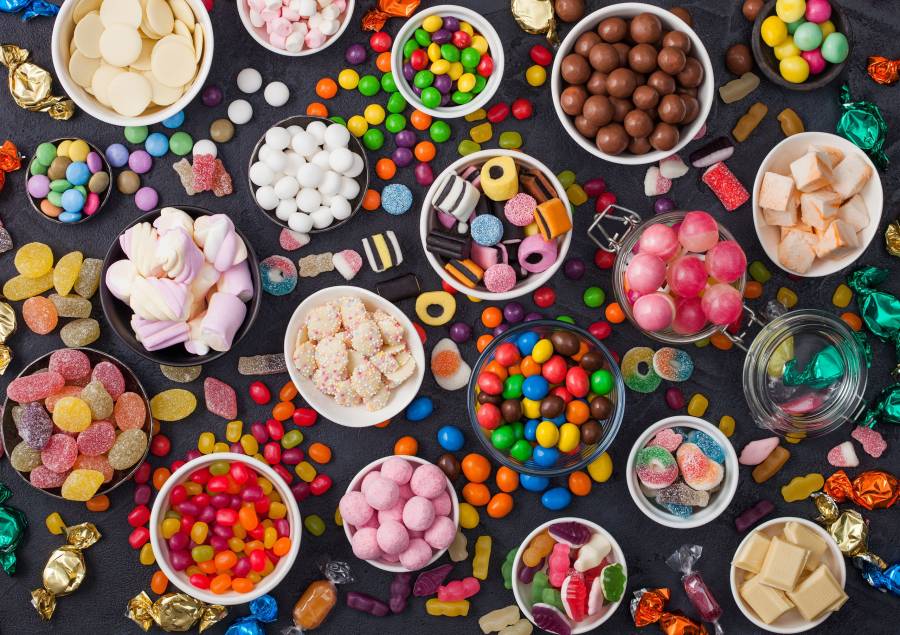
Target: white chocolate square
[[769, 604], [783, 564], [818, 593], [753, 553]]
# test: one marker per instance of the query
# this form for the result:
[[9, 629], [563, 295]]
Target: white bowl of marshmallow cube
[[298, 27], [308, 174]]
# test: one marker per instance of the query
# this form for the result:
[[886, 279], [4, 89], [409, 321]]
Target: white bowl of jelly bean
[[68, 181], [569, 576], [496, 224], [682, 472], [406, 513], [447, 61], [225, 528], [560, 412], [76, 423]]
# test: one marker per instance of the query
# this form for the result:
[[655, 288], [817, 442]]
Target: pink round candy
[[381, 493], [397, 469], [698, 232], [442, 504], [146, 198], [354, 509], [687, 276], [417, 555], [659, 240], [372, 522], [689, 316], [390, 558], [654, 311], [368, 477], [392, 537], [428, 481], [815, 60], [91, 204], [418, 513], [645, 273], [722, 304], [406, 492], [365, 544], [39, 186], [726, 261], [394, 513], [441, 533], [818, 11]]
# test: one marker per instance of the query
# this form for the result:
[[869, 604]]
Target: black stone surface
[[114, 573]]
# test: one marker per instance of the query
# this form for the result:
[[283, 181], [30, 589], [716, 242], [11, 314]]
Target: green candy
[[422, 36], [82, 189], [808, 36], [507, 567], [55, 198], [521, 450], [388, 84], [373, 139], [136, 134], [45, 153], [338, 119], [291, 439], [467, 146], [181, 143], [612, 581], [369, 85], [396, 103], [602, 382], [37, 167], [459, 98], [566, 178], [469, 58], [431, 97], [568, 319], [793, 26], [450, 53], [314, 525], [439, 131], [480, 83], [835, 48], [702, 343], [410, 46], [423, 79], [512, 387], [759, 272], [593, 297], [219, 468], [202, 553], [518, 430], [60, 185], [510, 140], [503, 438], [552, 597], [538, 584], [395, 122]]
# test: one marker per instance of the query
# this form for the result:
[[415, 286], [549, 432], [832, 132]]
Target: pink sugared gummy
[[35, 387], [441, 533], [418, 513], [365, 544], [686, 276], [654, 311], [45, 478], [698, 232], [97, 439], [381, 493], [70, 363], [873, 443], [722, 304], [394, 513], [221, 399], [698, 471], [428, 480], [60, 453], [111, 377], [756, 452], [417, 554], [843, 455], [659, 240], [392, 537], [689, 316], [667, 438], [442, 504], [645, 273], [98, 463], [354, 509], [726, 261], [397, 469]]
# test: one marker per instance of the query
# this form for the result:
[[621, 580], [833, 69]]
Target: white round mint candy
[[341, 160], [329, 27], [330, 12], [349, 188], [304, 144], [336, 136], [340, 207], [294, 161], [240, 111], [320, 158], [292, 130], [309, 199], [356, 168], [300, 222], [264, 151], [277, 94], [261, 174], [249, 80], [285, 209], [266, 198], [276, 160], [205, 146], [286, 187], [322, 217], [309, 175], [331, 183], [317, 130], [278, 138]]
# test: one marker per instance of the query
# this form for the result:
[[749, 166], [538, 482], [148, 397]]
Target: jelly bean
[[535, 76], [468, 516], [759, 272], [259, 393], [556, 498], [314, 525], [600, 469], [726, 425], [407, 446], [786, 297], [159, 583], [55, 524], [319, 452], [146, 556], [842, 296]]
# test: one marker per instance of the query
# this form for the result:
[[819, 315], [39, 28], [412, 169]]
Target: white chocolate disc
[[120, 45], [121, 12], [162, 95], [183, 12], [180, 28], [83, 8], [142, 63], [173, 62], [101, 80], [147, 32], [82, 68], [87, 35], [130, 94], [159, 16], [198, 45]]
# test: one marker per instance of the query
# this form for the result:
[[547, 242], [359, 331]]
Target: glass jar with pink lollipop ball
[[726, 261], [686, 276]]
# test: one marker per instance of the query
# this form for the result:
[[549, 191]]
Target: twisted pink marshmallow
[[159, 334], [224, 316], [222, 247], [160, 299], [178, 255]]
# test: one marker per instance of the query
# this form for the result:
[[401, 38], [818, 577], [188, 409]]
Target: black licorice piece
[[719, 149], [399, 288]]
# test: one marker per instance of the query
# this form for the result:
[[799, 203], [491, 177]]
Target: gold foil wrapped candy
[[892, 238], [7, 328], [173, 612], [65, 569], [535, 16], [31, 86]]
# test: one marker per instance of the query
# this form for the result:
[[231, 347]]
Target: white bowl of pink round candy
[[298, 27], [400, 513]]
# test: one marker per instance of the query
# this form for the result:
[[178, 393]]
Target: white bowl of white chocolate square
[[132, 62], [817, 203], [788, 575]]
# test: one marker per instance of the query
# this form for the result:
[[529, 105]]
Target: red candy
[[485, 66], [605, 200], [160, 445], [498, 112], [507, 354], [305, 417], [490, 383], [321, 484], [726, 186], [419, 59], [540, 55], [574, 596], [139, 537], [60, 453], [544, 297], [577, 382], [522, 109], [70, 363], [604, 259], [97, 439], [449, 289], [460, 39], [275, 429], [139, 516], [220, 398], [200, 581], [380, 42], [142, 474], [259, 393], [272, 452], [35, 387], [601, 330], [562, 393], [420, 330], [111, 377], [488, 416], [554, 370]]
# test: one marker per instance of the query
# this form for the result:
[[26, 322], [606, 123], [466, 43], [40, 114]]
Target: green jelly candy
[[467, 147], [423, 79], [431, 97], [136, 134], [835, 48], [45, 153], [373, 139], [612, 581], [181, 143], [460, 98], [219, 468], [521, 450], [314, 525], [450, 53], [568, 319], [503, 438], [480, 83], [507, 567], [422, 36], [510, 140], [395, 122], [80, 332], [338, 119], [552, 597], [512, 387], [759, 272], [593, 297], [439, 131], [396, 103], [702, 343], [202, 553], [291, 439], [566, 178], [388, 84], [538, 584], [602, 382], [410, 46], [38, 168], [470, 57], [369, 85]]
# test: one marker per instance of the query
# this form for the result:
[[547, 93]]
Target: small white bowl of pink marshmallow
[[400, 513], [295, 28]]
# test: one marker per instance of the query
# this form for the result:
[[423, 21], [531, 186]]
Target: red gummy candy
[[97, 439], [221, 184], [725, 186], [204, 172], [111, 377], [45, 478], [220, 398], [60, 453], [574, 594], [70, 363], [35, 387]]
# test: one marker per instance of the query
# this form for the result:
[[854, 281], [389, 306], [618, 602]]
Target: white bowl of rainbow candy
[[682, 472], [577, 580]]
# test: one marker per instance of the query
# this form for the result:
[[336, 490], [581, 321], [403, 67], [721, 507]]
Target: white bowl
[[259, 33], [779, 160], [519, 587], [670, 22], [161, 550], [495, 49], [427, 218], [791, 621], [718, 500], [63, 29], [358, 416], [357, 482]]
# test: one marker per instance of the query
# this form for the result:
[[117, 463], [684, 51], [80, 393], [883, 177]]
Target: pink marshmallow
[[365, 544], [290, 14], [397, 469], [155, 335], [278, 41], [280, 26], [416, 555], [354, 509], [418, 513], [392, 537], [237, 281], [441, 533], [314, 39], [442, 504], [381, 493], [394, 513], [428, 481], [340, 4], [224, 315]]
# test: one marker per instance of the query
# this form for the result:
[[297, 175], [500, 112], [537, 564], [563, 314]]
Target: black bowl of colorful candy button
[[48, 176], [765, 54], [362, 179], [22, 455], [118, 314], [600, 420]]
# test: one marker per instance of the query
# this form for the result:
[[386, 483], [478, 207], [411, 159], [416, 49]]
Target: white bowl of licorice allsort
[[496, 224]]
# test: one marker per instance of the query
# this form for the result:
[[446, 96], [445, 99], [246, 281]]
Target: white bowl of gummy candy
[[655, 468], [585, 554]]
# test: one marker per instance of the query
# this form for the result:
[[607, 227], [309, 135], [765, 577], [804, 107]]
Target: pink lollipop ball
[[687, 276], [818, 10], [645, 273], [689, 316], [698, 232], [726, 261], [659, 240], [815, 60], [654, 311], [722, 304]]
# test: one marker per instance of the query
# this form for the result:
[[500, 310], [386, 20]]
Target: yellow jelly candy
[[146, 557], [34, 260], [249, 444], [233, 431], [786, 297], [801, 487], [55, 524], [482, 133], [827, 29], [305, 471], [697, 405], [726, 425], [536, 75], [783, 353], [170, 527], [794, 437], [81, 485], [66, 272], [72, 415], [338, 519], [794, 69], [773, 30], [478, 115], [206, 442], [786, 49], [601, 468], [22, 288], [173, 404], [576, 194], [221, 446], [790, 10], [842, 296], [468, 516]]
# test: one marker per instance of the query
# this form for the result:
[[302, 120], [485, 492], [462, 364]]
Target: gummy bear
[[499, 619], [173, 404], [458, 590], [613, 581], [540, 547], [507, 567], [593, 553], [558, 564], [540, 582], [66, 272]]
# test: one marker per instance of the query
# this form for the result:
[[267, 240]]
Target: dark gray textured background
[[114, 573]]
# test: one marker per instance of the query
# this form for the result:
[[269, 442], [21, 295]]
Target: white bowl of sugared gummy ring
[[569, 575], [68, 181], [76, 423], [440, 43], [682, 472]]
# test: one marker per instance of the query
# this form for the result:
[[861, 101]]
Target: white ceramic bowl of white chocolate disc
[[259, 34], [354, 416], [791, 621], [779, 160], [86, 37]]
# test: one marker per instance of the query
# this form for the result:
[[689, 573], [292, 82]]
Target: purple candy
[[117, 155], [35, 426], [526, 573], [355, 54], [500, 329], [142, 494], [402, 157], [571, 533], [674, 398], [405, 138], [574, 268], [181, 560], [595, 187], [663, 204], [140, 161], [367, 604], [550, 619], [531, 317], [401, 588], [211, 96], [460, 332], [753, 515], [424, 174], [292, 456], [242, 568], [451, 24], [408, 71], [236, 448], [514, 312], [441, 36], [417, 91], [443, 83], [94, 162], [445, 99], [39, 186], [193, 454], [427, 582], [300, 490], [146, 198]]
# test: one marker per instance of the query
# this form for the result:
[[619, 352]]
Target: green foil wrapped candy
[[863, 125], [825, 367], [885, 408], [880, 311], [12, 530]]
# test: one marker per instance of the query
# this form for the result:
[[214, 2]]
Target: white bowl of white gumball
[[308, 174]]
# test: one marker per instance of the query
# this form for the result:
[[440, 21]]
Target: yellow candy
[[374, 114], [455, 72], [790, 10], [173, 404], [465, 27], [842, 296], [546, 434], [440, 67], [726, 425], [266, 485], [62, 150], [532, 229], [576, 195], [786, 48], [479, 44], [801, 487], [338, 519], [192, 488], [780, 356], [233, 431], [249, 444], [482, 133], [478, 115], [357, 125], [569, 437], [542, 351], [270, 535], [468, 516], [466, 83], [72, 415], [432, 23], [236, 544], [697, 405], [473, 299], [531, 408], [482, 557], [827, 29], [206, 442], [199, 532], [170, 527], [794, 437], [81, 485], [33, 260], [434, 52], [221, 446], [259, 457], [277, 510], [79, 150], [66, 272], [773, 30], [55, 524], [601, 468], [348, 79], [146, 556], [305, 471], [536, 75], [794, 69], [786, 297]]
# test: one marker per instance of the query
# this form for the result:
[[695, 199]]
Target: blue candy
[[278, 275], [263, 609], [78, 173], [420, 408], [535, 387], [707, 445], [69, 217], [157, 144], [534, 483], [531, 429], [526, 341], [72, 200], [174, 121], [545, 457], [451, 438], [556, 498], [396, 199], [117, 155], [486, 230], [682, 511], [558, 420]]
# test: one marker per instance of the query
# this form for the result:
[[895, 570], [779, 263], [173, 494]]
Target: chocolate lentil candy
[[128, 449]]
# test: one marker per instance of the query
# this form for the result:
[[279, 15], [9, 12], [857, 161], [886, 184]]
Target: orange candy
[[507, 479], [224, 560], [721, 341], [582, 349], [385, 169], [98, 503], [159, 583], [326, 88], [242, 585], [579, 483], [283, 410], [248, 518], [529, 367], [492, 316], [577, 412], [476, 494], [852, 320], [281, 546], [420, 120], [482, 341], [406, 446], [614, 313], [383, 424], [383, 62], [424, 151], [752, 290], [476, 468], [319, 452], [371, 200], [160, 476], [500, 505], [317, 109], [208, 567], [498, 369], [287, 392], [220, 584]]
